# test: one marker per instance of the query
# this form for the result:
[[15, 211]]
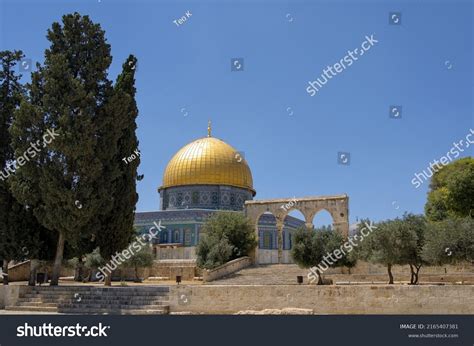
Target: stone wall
[[358, 299], [369, 268], [162, 269], [226, 269], [266, 256], [9, 294], [21, 271], [168, 253]]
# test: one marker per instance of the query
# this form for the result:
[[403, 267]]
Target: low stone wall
[[369, 269], [9, 294], [21, 271], [226, 269], [162, 269], [184, 252], [359, 299]]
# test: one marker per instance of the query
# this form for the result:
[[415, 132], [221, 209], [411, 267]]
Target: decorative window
[[176, 236], [187, 237], [267, 240]]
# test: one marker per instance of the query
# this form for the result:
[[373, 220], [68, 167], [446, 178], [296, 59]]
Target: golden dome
[[208, 161]]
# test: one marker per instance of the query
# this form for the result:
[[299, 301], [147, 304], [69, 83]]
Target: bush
[[225, 236], [311, 248], [450, 241]]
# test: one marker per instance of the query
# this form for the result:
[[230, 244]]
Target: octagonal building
[[203, 177]]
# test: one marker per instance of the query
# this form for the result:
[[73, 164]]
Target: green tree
[[117, 215], [452, 191], [390, 244], [19, 230], [92, 261], [450, 241], [226, 236], [416, 227], [320, 249], [67, 95], [141, 259]]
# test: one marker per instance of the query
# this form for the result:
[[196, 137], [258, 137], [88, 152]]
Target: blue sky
[[424, 65]]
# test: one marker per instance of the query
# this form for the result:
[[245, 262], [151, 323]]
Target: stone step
[[94, 300], [149, 289], [137, 300], [31, 308], [163, 311], [108, 306], [21, 303], [88, 294], [85, 293]]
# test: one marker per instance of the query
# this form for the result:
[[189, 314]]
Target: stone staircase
[[268, 274], [150, 300]]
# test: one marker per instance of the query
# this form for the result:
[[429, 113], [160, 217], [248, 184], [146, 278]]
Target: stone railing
[[226, 269]]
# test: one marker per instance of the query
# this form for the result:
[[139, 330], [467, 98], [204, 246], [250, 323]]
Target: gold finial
[[209, 129]]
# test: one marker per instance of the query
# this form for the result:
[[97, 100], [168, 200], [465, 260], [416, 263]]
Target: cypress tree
[[67, 95], [20, 233], [116, 230]]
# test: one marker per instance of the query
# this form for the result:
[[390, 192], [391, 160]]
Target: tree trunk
[[320, 277], [5, 272], [108, 280], [33, 268], [416, 274], [412, 275], [79, 273], [390, 276], [58, 260]]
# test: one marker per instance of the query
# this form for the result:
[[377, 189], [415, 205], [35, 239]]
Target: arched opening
[[267, 238], [323, 220], [294, 220]]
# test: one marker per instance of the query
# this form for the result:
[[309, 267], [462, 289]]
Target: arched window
[[187, 237], [164, 237], [267, 239], [176, 236]]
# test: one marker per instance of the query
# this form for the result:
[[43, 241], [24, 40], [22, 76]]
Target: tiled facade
[[186, 208]]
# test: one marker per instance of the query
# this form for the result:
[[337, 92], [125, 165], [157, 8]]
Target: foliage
[[452, 191], [140, 259], [73, 184], [21, 237], [94, 260], [117, 218], [320, 249], [450, 241], [394, 242], [225, 236]]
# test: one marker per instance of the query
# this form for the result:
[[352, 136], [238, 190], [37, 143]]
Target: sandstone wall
[[359, 299]]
